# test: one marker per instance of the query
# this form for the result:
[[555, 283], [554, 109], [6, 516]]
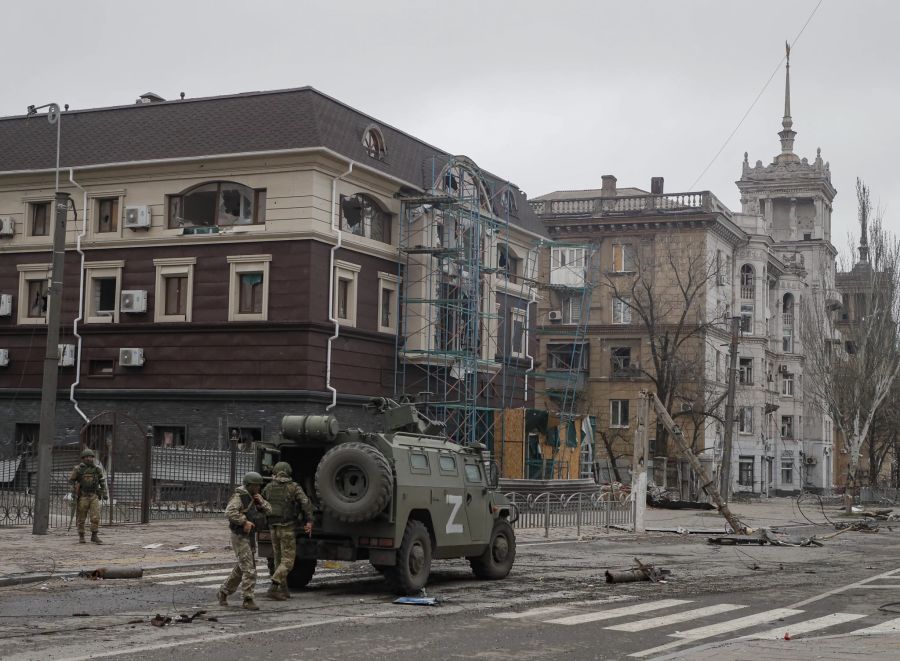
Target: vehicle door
[[477, 502], [448, 498]]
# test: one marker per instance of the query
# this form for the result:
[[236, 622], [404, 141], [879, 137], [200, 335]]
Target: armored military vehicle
[[397, 498]]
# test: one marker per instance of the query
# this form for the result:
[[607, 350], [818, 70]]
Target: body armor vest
[[89, 479], [281, 497], [254, 516]]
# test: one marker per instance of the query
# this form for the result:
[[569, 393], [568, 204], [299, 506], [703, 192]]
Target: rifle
[[77, 494]]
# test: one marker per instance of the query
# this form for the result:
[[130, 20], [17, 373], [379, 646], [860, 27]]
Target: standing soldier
[[287, 500], [88, 488], [246, 511]]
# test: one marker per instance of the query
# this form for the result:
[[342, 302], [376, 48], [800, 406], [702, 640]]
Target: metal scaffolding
[[458, 351]]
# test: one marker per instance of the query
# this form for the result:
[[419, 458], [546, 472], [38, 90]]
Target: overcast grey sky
[[549, 94]]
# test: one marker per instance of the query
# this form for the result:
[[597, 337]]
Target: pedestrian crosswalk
[[721, 620]]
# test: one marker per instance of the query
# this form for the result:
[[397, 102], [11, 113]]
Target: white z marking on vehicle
[[456, 501]]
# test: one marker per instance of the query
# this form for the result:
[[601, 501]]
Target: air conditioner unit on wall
[[811, 461], [66, 355], [137, 217], [555, 315], [134, 300], [131, 357], [5, 305], [4, 357], [7, 226], [783, 369]]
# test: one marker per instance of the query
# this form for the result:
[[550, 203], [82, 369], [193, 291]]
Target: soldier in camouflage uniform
[[246, 511], [287, 500], [88, 488]]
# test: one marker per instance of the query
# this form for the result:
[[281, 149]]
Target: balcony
[[631, 205], [787, 319], [563, 380]]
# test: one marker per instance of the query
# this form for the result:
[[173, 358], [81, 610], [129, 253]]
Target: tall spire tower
[[787, 133]]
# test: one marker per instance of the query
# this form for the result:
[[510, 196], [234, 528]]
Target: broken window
[[40, 218], [361, 215], [170, 436], [746, 371], [621, 359], [37, 298], [519, 333], [217, 204], [107, 215], [787, 426], [176, 291], [250, 293], [566, 356], [745, 470], [373, 142], [103, 298]]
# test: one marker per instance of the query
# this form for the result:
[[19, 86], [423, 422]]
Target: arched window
[[460, 179], [787, 305], [747, 281], [363, 216], [217, 204], [373, 141]]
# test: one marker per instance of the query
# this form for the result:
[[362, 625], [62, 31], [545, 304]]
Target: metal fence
[[594, 510]]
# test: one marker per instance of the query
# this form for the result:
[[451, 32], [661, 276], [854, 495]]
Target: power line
[[752, 105]]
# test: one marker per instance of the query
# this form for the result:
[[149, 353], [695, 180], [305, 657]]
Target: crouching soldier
[[287, 500], [246, 511], [88, 488]]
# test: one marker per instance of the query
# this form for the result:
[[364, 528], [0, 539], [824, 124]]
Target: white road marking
[[878, 587], [684, 616], [890, 626], [844, 588], [797, 628], [201, 579], [546, 610], [596, 616], [692, 635], [198, 572]]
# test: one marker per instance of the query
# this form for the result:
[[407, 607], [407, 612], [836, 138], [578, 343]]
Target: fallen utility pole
[[708, 485]]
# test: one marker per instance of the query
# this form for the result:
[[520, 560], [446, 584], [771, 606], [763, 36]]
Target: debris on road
[[641, 572], [418, 601], [189, 547], [160, 621], [868, 524], [184, 618], [152, 546], [113, 572], [729, 540], [81, 614]]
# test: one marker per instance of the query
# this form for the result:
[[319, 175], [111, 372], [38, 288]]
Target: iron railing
[[578, 510]]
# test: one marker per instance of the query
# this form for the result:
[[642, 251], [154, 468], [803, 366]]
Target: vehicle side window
[[418, 461], [448, 464], [473, 473]]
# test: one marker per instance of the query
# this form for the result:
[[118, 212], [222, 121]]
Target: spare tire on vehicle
[[354, 482]]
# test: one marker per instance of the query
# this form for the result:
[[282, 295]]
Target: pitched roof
[[587, 193], [234, 124]]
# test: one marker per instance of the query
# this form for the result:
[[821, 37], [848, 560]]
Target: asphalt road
[[554, 605]]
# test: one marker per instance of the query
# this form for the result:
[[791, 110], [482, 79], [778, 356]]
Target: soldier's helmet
[[87, 452], [252, 478], [282, 467]]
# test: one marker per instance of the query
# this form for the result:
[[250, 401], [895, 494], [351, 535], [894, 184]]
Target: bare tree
[[666, 293], [851, 373]]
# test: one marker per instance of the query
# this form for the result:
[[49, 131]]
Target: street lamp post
[[41, 516]]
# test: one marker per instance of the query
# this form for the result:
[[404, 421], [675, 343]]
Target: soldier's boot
[[249, 604], [276, 592], [81, 538], [285, 591], [223, 598], [273, 589], [95, 537]]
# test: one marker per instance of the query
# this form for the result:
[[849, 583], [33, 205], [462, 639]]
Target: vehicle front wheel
[[410, 574], [497, 560], [301, 574]]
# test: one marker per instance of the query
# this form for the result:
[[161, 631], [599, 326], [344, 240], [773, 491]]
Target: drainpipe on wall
[[78, 317], [335, 226]]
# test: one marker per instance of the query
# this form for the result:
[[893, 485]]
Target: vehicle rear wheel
[[497, 559], [354, 482], [410, 574], [301, 574]]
